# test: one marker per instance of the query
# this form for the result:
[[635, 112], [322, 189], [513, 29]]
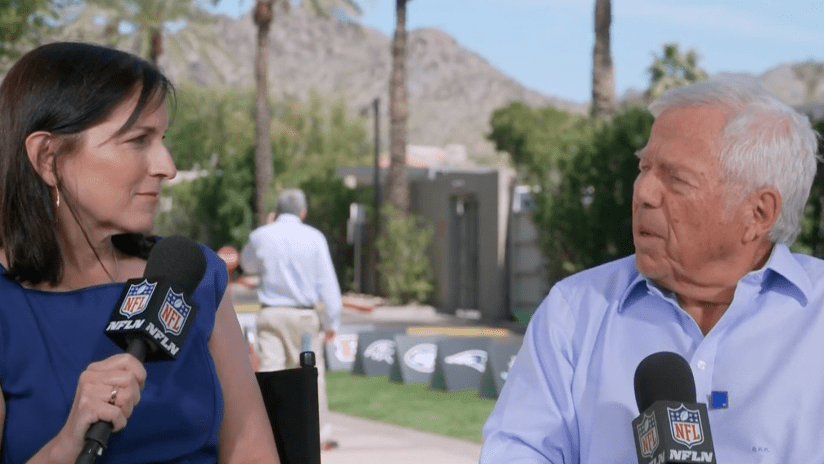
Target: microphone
[[671, 427], [153, 316]]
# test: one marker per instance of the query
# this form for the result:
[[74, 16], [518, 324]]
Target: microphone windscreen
[[179, 259], [663, 376]]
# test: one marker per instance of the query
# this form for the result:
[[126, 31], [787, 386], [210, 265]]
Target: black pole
[[376, 175], [376, 183]]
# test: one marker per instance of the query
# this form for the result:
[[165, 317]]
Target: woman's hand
[[107, 390]]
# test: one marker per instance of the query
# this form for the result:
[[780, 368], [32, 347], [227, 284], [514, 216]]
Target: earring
[[57, 191]]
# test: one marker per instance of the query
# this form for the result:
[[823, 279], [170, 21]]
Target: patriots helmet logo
[[476, 359]]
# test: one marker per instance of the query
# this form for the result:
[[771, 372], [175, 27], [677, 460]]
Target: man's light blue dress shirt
[[569, 397], [295, 267]]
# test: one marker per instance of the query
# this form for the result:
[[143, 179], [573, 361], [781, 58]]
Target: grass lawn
[[459, 415]]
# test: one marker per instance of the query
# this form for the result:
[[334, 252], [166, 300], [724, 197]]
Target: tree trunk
[[155, 44], [397, 182], [603, 79], [263, 118]]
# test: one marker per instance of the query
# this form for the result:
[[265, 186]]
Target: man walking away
[[297, 279]]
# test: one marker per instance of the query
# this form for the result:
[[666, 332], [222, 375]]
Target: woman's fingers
[[122, 362], [107, 390]]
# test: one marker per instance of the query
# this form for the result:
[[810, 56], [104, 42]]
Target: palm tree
[[603, 75], [397, 182], [263, 118], [22, 22], [263, 14], [149, 19], [672, 69]]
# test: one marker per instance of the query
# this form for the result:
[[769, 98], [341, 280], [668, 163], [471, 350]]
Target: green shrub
[[404, 267]]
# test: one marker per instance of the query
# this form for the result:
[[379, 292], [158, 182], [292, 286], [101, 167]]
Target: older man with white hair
[[721, 189]]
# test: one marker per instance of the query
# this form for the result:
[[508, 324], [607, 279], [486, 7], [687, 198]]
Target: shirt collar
[[784, 273], [287, 217], [781, 273]]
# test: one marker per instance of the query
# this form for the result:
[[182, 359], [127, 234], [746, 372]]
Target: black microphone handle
[[96, 439], [98, 434]]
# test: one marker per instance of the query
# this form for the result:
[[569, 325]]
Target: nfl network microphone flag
[[154, 309], [673, 432]]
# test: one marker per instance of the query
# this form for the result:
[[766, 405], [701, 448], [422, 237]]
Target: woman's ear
[[40, 148]]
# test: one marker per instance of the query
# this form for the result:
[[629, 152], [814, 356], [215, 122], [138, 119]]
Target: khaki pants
[[280, 333]]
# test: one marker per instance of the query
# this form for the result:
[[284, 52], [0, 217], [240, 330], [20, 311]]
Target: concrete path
[[366, 441]]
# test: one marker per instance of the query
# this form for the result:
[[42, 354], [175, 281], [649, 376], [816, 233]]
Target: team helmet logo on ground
[[380, 351], [346, 346], [421, 357], [476, 359]]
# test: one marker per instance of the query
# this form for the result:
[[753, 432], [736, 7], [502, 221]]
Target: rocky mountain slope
[[452, 91]]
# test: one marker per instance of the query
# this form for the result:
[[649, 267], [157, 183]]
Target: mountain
[[452, 91], [796, 83]]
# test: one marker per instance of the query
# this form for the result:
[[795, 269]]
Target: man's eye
[[678, 179]]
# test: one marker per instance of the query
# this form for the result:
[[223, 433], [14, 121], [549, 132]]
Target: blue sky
[[547, 44]]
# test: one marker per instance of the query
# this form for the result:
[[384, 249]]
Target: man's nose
[[647, 190]]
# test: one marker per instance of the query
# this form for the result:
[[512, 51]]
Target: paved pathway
[[366, 441]]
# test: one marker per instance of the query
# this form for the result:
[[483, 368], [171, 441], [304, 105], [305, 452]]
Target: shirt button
[[702, 365]]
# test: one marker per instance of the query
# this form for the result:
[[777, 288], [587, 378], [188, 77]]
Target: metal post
[[376, 175], [376, 182]]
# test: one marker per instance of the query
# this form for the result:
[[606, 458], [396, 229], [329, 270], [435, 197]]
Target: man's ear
[[40, 148], [765, 206]]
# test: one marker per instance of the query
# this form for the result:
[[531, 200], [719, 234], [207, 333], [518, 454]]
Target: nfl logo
[[648, 435], [685, 425], [137, 298], [174, 312]]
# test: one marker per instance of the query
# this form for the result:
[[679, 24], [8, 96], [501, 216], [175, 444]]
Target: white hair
[[291, 201], [764, 143]]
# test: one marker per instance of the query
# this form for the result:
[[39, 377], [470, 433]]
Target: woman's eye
[[140, 140]]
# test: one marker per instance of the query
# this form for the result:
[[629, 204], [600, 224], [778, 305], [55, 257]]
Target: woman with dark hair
[[81, 164]]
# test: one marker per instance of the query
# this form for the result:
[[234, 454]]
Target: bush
[[587, 220], [404, 266]]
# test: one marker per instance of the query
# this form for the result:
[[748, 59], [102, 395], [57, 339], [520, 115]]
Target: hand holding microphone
[[671, 427], [107, 390], [150, 321]]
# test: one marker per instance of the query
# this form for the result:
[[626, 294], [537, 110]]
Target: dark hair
[[62, 88]]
